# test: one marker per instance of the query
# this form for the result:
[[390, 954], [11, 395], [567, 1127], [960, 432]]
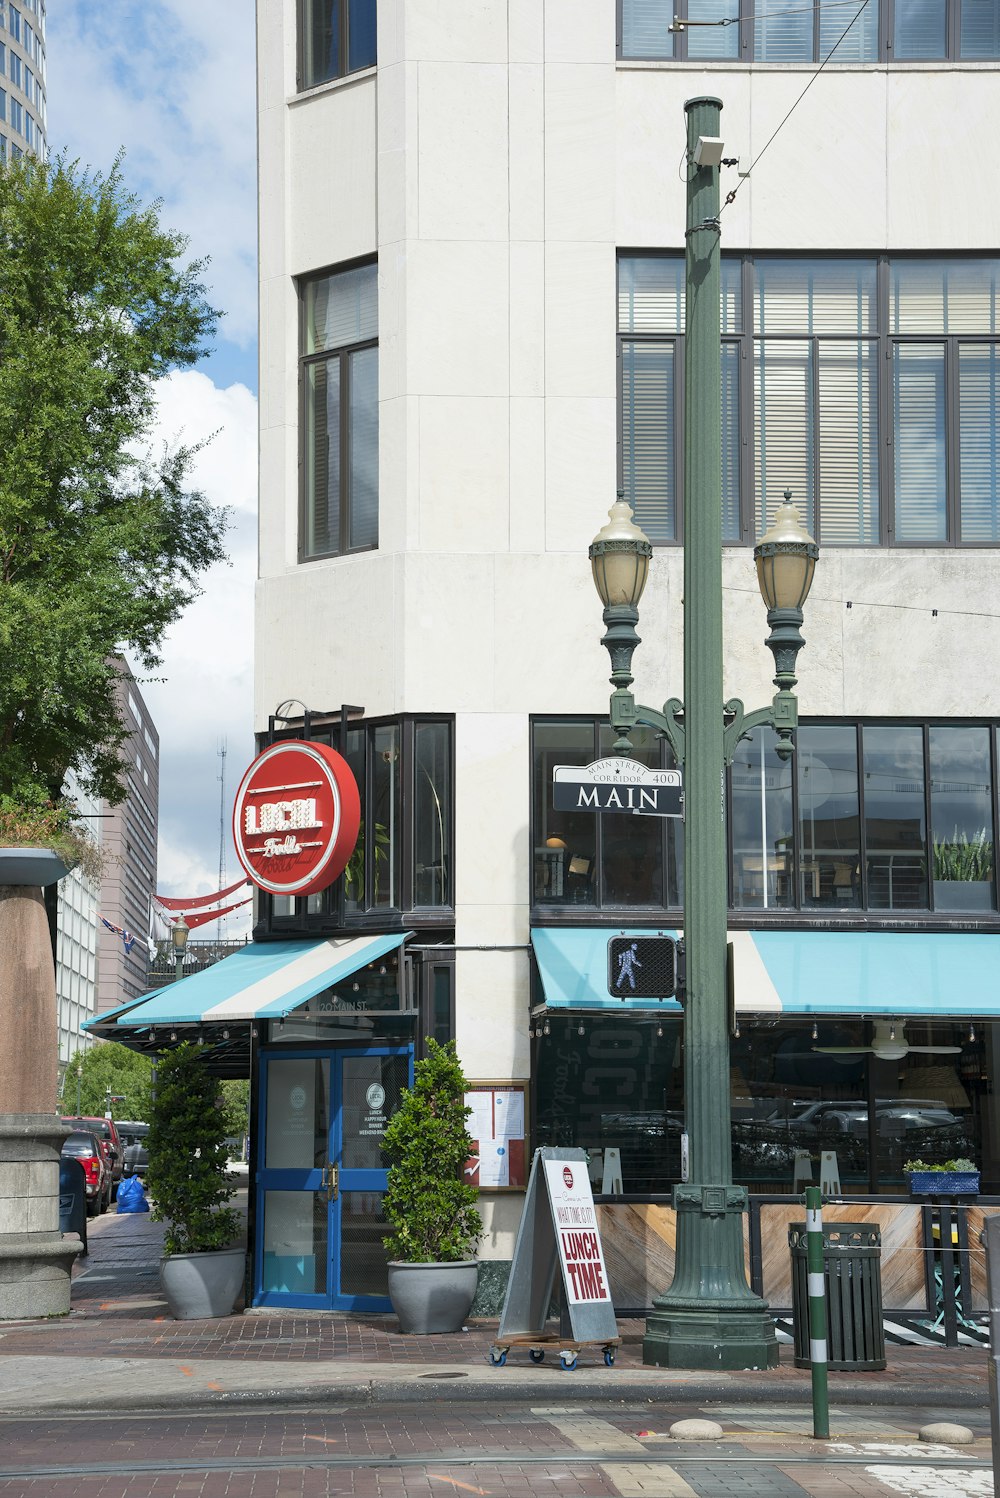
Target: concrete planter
[[432, 1297], [202, 1285], [34, 866]]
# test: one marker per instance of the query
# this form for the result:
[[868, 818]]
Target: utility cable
[[730, 196]]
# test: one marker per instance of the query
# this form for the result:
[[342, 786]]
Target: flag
[[198, 902], [128, 940]]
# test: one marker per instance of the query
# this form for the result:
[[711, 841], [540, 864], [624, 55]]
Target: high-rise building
[[22, 78]]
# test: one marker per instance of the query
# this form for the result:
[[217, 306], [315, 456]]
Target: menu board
[[498, 1124]]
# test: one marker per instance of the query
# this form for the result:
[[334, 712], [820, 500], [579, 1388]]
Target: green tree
[[186, 1175], [108, 1064], [236, 1105], [101, 547]]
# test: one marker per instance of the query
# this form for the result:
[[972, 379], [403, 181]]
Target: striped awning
[[266, 980]]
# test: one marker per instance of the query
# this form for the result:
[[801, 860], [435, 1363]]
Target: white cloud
[[173, 81], [205, 696]]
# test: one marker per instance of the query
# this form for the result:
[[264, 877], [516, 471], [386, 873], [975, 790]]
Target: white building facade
[[23, 106], [472, 237]]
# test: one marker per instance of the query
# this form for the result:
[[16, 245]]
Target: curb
[[432, 1388]]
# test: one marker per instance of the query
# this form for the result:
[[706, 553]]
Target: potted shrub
[[203, 1268], [40, 841], [953, 1178], [963, 871], [432, 1271]]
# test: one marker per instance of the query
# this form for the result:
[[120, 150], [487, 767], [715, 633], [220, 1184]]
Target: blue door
[[322, 1174]]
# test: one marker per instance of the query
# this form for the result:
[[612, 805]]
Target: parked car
[[133, 1137], [106, 1132], [86, 1148]]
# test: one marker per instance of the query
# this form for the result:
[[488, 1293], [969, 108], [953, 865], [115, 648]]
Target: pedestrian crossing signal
[[642, 967]]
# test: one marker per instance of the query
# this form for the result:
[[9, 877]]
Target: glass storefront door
[[322, 1174]]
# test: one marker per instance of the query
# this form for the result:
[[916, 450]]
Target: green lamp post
[[179, 935], [709, 1317]]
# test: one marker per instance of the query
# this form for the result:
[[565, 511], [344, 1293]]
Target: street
[[483, 1449]]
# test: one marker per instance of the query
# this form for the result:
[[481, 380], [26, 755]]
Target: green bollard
[[818, 1355]]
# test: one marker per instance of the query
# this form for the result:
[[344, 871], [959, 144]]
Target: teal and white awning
[[266, 980], [928, 973]]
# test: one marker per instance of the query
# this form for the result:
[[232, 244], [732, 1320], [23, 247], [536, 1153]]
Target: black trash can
[[852, 1253], [73, 1199]]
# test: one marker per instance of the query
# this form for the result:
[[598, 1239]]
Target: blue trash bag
[[131, 1196]]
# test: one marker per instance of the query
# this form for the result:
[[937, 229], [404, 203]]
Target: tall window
[[786, 31], [335, 37], [340, 412], [870, 387]]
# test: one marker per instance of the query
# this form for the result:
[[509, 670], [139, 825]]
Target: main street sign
[[616, 784]]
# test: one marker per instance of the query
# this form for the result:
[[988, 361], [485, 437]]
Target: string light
[[579, 1028], [659, 1032], [546, 1028], [892, 1032], [972, 1034], [736, 1030], [815, 1031]]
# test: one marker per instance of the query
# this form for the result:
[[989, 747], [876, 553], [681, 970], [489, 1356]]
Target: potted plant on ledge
[[432, 1271], [953, 1178], [204, 1264]]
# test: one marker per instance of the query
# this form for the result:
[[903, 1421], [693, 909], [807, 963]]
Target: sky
[[172, 84]]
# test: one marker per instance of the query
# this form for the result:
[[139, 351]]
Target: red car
[[87, 1149], [105, 1132]]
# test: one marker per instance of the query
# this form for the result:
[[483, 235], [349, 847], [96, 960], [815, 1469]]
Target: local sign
[[616, 784], [296, 818]]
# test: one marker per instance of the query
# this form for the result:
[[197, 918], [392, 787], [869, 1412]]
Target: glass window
[[3, 58], [918, 397], [16, 116], [826, 761], [3, 103], [432, 799], [761, 825], [14, 22], [895, 827], [565, 851], [962, 818], [336, 37], [340, 398], [631, 861], [15, 69], [384, 825], [784, 31]]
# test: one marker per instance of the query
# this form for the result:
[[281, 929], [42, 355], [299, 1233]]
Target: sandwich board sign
[[558, 1233]]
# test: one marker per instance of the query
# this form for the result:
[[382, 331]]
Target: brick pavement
[[119, 1327]]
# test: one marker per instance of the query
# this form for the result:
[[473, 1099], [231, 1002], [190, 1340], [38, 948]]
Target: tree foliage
[[428, 1202], [186, 1175], [108, 1065], [101, 547]]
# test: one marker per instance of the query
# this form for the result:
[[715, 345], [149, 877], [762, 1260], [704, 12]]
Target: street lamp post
[[709, 1317], [179, 935]]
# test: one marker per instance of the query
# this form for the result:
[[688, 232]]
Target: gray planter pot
[[963, 894], [202, 1285], [35, 866], [432, 1297]]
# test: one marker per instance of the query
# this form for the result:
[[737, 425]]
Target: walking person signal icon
[[642, 967]]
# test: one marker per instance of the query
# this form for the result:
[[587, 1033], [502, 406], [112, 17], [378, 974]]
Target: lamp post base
[[710, 1334]]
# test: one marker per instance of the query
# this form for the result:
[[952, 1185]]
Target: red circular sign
[[568, 1177], [296, 818]]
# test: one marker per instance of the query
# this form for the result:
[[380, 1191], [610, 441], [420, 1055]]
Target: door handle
[[333, 1182]]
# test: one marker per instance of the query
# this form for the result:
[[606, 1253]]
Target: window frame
[[746, 52], [342, 356], [882, 341], [304, 10]]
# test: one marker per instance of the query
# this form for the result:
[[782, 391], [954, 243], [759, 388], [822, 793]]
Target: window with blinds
[[339, 369], [786, 31], [831, 348]]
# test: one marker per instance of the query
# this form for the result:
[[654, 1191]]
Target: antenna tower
[[223, 750]]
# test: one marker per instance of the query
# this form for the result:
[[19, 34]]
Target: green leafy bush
[[963, 859], [428, 1202], [962, 1165], [186, 1176]]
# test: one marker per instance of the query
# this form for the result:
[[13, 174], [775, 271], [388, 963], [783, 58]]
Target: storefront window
[[829, 849], [432, 798], [895, 829], [762, 826], [382, 828], [605, 1081], [962, 819], [796, 1095]]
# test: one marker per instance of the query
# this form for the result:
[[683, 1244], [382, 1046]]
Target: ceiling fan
[[888, 1044]]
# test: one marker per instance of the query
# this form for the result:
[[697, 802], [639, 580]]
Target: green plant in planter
[[354, 873], [960, 1166], [963, 859], [27, 822], [186, 1176], [428, 1203]]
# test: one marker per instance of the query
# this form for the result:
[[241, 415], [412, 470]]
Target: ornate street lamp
[[179, 936], [709, 1317]]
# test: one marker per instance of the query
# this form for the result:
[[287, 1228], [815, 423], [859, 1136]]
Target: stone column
[[35, 1259]]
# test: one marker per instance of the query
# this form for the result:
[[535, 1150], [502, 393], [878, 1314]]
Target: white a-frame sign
[[558, 1231]]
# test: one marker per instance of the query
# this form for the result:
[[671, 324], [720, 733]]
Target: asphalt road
[[487, 1450]]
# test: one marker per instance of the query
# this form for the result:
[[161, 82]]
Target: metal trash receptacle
[[73, 1199], [852, 1255]]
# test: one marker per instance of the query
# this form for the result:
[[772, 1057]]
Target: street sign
[[642, 967], [616, 784]]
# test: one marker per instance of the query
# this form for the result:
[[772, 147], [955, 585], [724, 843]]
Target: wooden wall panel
[[902, 1258], [639, 1243]]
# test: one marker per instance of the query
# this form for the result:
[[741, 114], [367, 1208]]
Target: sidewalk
[[120, 1334]]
